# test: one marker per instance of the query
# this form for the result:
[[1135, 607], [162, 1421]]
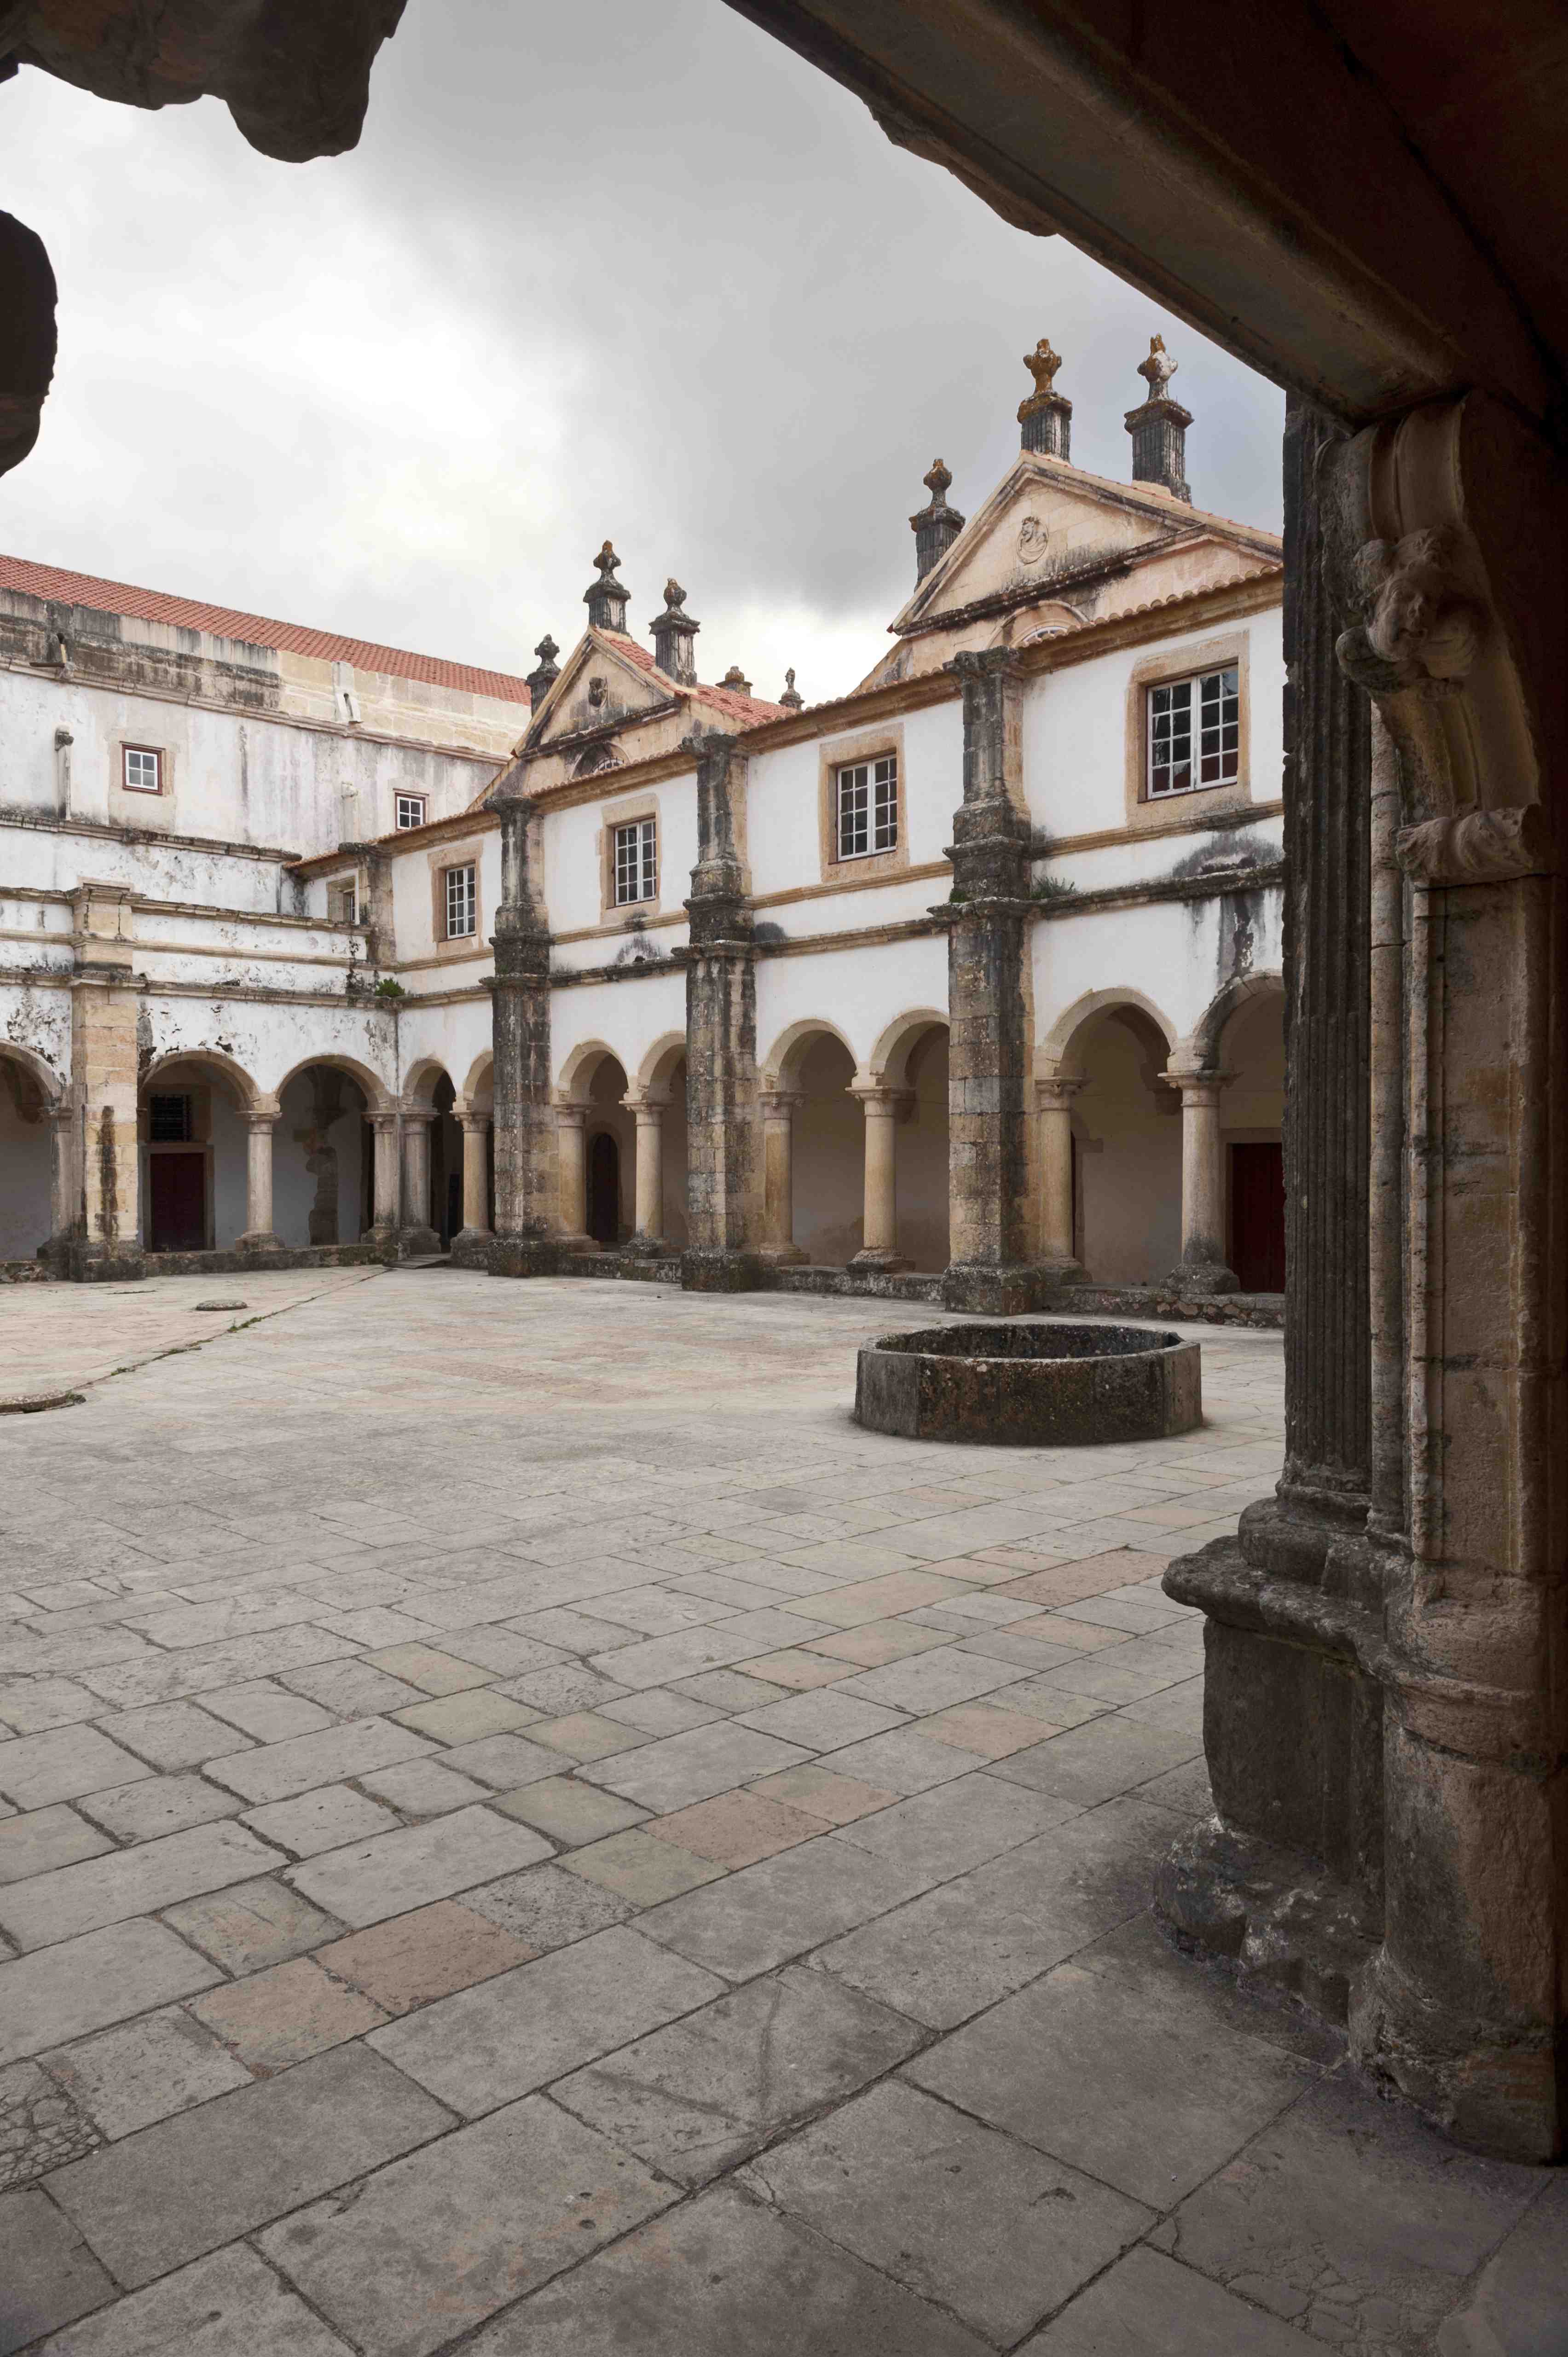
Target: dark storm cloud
[[605, 270]]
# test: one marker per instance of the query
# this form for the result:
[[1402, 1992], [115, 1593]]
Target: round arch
[[657, 1068], [889, 1060], [421, 1081], [1205, 1042], [47, 1079], [576, 1079], [211, 1059], [782, 1067], [375, 1095], [1053, 1058], [478, 1089]]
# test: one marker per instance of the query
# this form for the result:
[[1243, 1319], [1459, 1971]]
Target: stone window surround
[[1171, 663], [124, 745], [348, 883], [624, 913], [840, 753], [456, 855]]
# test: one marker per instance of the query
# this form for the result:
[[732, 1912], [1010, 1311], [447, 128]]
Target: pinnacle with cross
[[1158, 369]]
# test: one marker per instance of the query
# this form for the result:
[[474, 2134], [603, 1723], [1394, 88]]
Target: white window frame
[[634, 861], [866, 806], [1205, 706], [130, 755], [459, 900], [421, 802]]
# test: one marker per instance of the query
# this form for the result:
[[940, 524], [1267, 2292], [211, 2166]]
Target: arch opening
[[194, 1150], [829, 1149], [1126, 1141], [323, 1158], [26, 1156]]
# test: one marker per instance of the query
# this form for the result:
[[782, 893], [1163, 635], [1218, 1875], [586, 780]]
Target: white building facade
[[968, 981]]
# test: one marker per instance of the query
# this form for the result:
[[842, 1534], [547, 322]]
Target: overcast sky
[[609, 269]]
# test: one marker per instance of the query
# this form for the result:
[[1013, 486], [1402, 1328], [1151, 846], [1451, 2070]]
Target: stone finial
[[935, 526], [792, 698], [606, 599], [1159, 427], [541, 681], [1045, 415], [674, 633], [735, 680]]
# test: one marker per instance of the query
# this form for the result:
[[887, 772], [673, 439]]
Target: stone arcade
[[966, 984]]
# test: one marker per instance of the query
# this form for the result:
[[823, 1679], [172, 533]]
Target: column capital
[[1197, 1086], [262, 1116], [569, 1113], [1057, 1088], [475, 1123], [879, 1097], [649, 1110], [779, 1103], [385, 1121]]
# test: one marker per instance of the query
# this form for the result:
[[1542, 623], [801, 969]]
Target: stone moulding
[[1030, 1386]]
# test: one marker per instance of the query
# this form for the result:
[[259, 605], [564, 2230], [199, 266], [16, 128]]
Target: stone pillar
[[879, 1229], [778, 1246], [416, 1236], [648, 1237], [528, 1215], [64, 1182], [105, 1223], [989, 1006], [388, 1192], [1387, 1716], [571, 1129], [1058, 1245], [260, 1125], [476, 1227], [1202, 1268], [723, 1166]]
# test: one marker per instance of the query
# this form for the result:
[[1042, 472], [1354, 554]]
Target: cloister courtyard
[[522, 1827]]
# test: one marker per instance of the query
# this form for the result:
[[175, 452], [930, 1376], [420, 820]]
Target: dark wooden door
[[1258, 1218], [176, 1214], [604, 1189]]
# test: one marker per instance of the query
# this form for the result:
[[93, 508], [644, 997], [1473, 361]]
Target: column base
[[1204, 1276], [721, 1271], [522, 1256], [92, 1263], [1064, 1271], [641, 1247], [987, 1289], [258, 1240], [1278, 1917], [783, 1256], [471, 1248], [874, 1256], [412, 1244]]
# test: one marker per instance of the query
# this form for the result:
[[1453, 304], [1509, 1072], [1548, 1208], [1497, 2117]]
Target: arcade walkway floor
[[524, 1828]]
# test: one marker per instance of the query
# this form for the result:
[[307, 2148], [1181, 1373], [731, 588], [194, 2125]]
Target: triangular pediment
[[1046, 523], [606, 685]]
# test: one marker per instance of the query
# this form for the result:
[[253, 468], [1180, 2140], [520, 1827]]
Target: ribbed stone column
[[724, 1161], [528, 1219]]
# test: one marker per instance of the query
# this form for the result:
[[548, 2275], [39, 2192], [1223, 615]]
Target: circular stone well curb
[[34, 1403], [1030, 1386]]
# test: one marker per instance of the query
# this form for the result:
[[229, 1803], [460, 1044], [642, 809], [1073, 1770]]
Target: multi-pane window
[[868, 807], [168, 1121], [410, 811], [143, 769], [342, 903], [637, 861], [1195, 733], [460, 902]]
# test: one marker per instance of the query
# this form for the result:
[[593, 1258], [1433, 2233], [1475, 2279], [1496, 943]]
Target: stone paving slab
[[732, 1827]]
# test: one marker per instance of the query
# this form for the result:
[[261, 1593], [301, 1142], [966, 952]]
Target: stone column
[[476, 1227], [527, 1216], [1058, 1245], [879, 1227], [571, 1128], [387, 1193], [778, 1247], [724, 1167], [989, 1005], [64, 1182], [1202, 1269], [417, 1236], [105, 1223], [260, 1126], [648, 1235]]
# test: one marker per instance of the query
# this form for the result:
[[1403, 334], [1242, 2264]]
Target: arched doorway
[[604, 1189], [27, 1160], [195, 1149], [323, 1158], [829, 1187], [1126, 1140], [912, 1058]]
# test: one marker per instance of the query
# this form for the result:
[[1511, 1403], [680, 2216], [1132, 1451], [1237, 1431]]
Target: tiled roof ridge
[[57, 583], [724, 699]]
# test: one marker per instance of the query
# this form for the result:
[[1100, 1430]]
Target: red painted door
[[1257, 1217], [176, 1214]]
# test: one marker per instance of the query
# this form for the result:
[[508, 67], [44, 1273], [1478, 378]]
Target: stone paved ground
[[523, 1826]]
